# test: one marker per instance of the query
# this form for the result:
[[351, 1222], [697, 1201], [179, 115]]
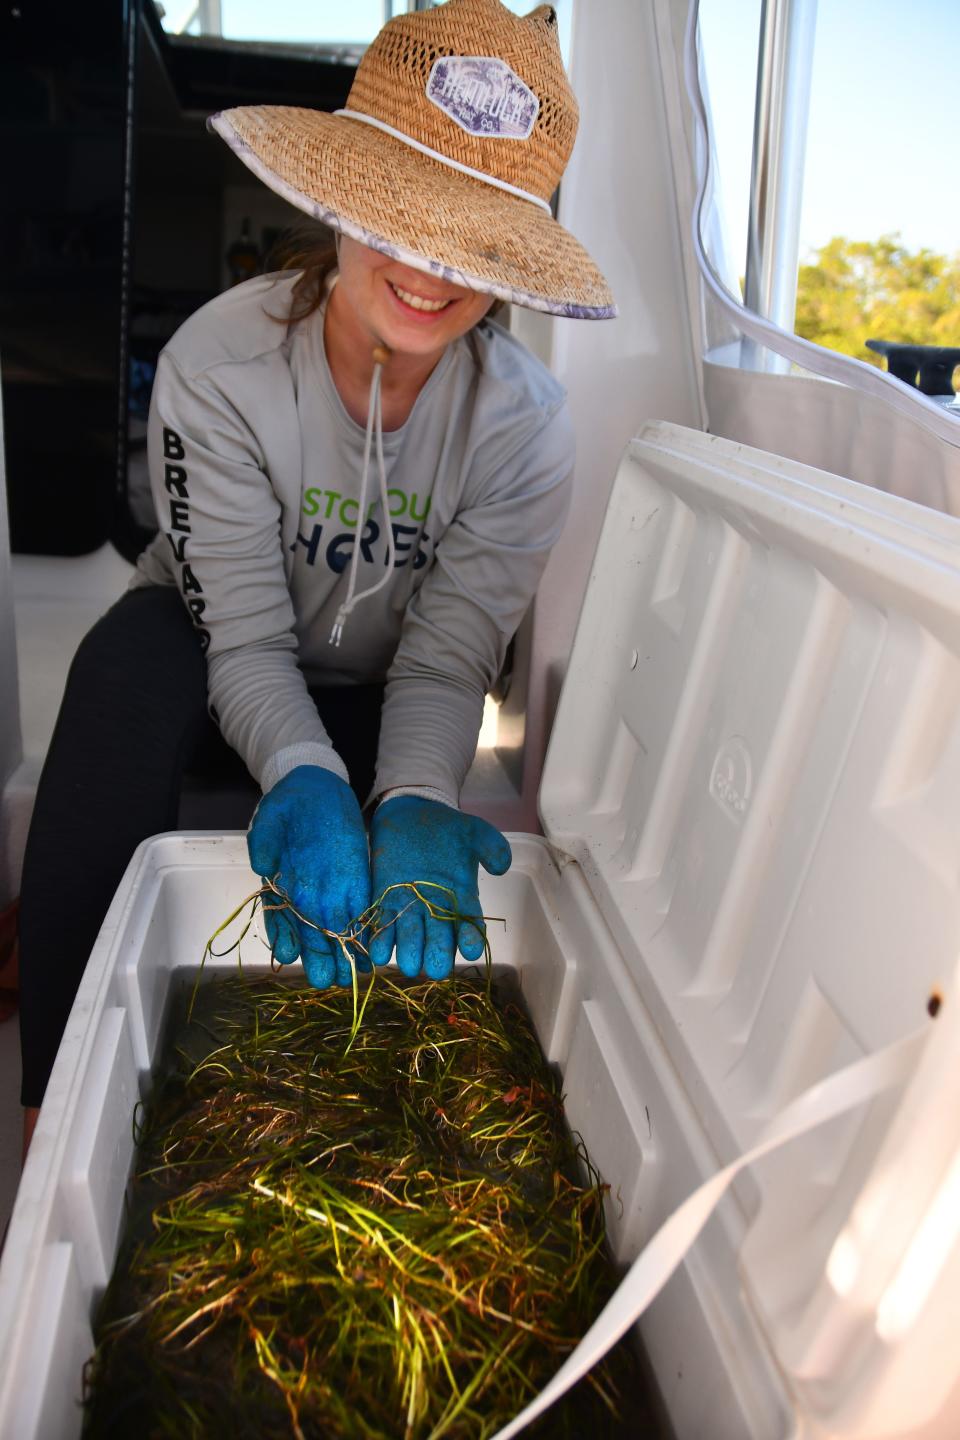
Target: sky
[[882, 138]]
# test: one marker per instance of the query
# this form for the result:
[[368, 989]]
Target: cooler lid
[[756, 763]]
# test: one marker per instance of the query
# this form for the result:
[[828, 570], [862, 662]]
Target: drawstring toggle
[[338, 624]]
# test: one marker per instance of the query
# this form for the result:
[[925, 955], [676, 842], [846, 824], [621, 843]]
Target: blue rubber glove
[[307, 836], [414, 839]]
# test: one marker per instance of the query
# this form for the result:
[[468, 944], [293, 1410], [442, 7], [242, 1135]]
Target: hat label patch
[[484, 96]]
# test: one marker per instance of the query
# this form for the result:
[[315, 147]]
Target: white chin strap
[[374, 427]]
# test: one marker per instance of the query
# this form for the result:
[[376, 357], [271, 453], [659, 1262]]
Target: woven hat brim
[[379, 191]]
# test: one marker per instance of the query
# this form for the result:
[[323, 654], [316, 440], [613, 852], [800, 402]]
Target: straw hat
[[456, 131]]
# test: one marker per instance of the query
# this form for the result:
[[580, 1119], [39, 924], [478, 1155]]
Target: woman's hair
[[313, 249]]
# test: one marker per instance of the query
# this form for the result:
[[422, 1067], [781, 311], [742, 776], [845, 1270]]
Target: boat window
[[310, 23], [336, 29], [847, 235]]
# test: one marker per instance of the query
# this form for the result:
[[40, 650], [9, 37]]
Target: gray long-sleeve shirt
[[255, 468]]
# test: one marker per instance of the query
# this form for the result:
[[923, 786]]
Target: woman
[[343, 628]]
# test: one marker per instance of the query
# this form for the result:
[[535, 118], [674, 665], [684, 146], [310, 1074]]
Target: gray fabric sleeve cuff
[[308, 752], [425, 792]]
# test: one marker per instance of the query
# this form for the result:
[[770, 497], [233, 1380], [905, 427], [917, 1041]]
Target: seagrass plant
[[356, 1213]]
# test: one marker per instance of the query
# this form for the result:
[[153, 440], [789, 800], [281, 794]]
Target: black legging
[[132, 721]]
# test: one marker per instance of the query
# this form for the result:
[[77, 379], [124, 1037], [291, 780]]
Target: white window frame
[[758, 330]]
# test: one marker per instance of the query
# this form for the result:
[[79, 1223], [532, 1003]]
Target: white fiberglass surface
[[11, 1117], [57, 599]]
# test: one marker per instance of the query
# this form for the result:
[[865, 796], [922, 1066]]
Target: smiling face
[[382, 301]]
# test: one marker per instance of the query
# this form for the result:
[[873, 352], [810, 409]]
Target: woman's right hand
[[308, 839]]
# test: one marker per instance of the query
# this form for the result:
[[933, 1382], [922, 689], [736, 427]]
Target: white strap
[[445, 159], [657, 1261], [374, 432]]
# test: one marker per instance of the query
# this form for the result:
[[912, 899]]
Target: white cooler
[[750, 879]]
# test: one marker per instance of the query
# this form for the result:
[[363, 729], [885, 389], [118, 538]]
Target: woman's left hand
[[412, 840]]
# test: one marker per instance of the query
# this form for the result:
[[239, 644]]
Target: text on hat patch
[[484, 96]]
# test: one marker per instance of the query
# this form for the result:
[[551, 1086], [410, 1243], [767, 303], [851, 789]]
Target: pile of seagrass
[[346, 1229]]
